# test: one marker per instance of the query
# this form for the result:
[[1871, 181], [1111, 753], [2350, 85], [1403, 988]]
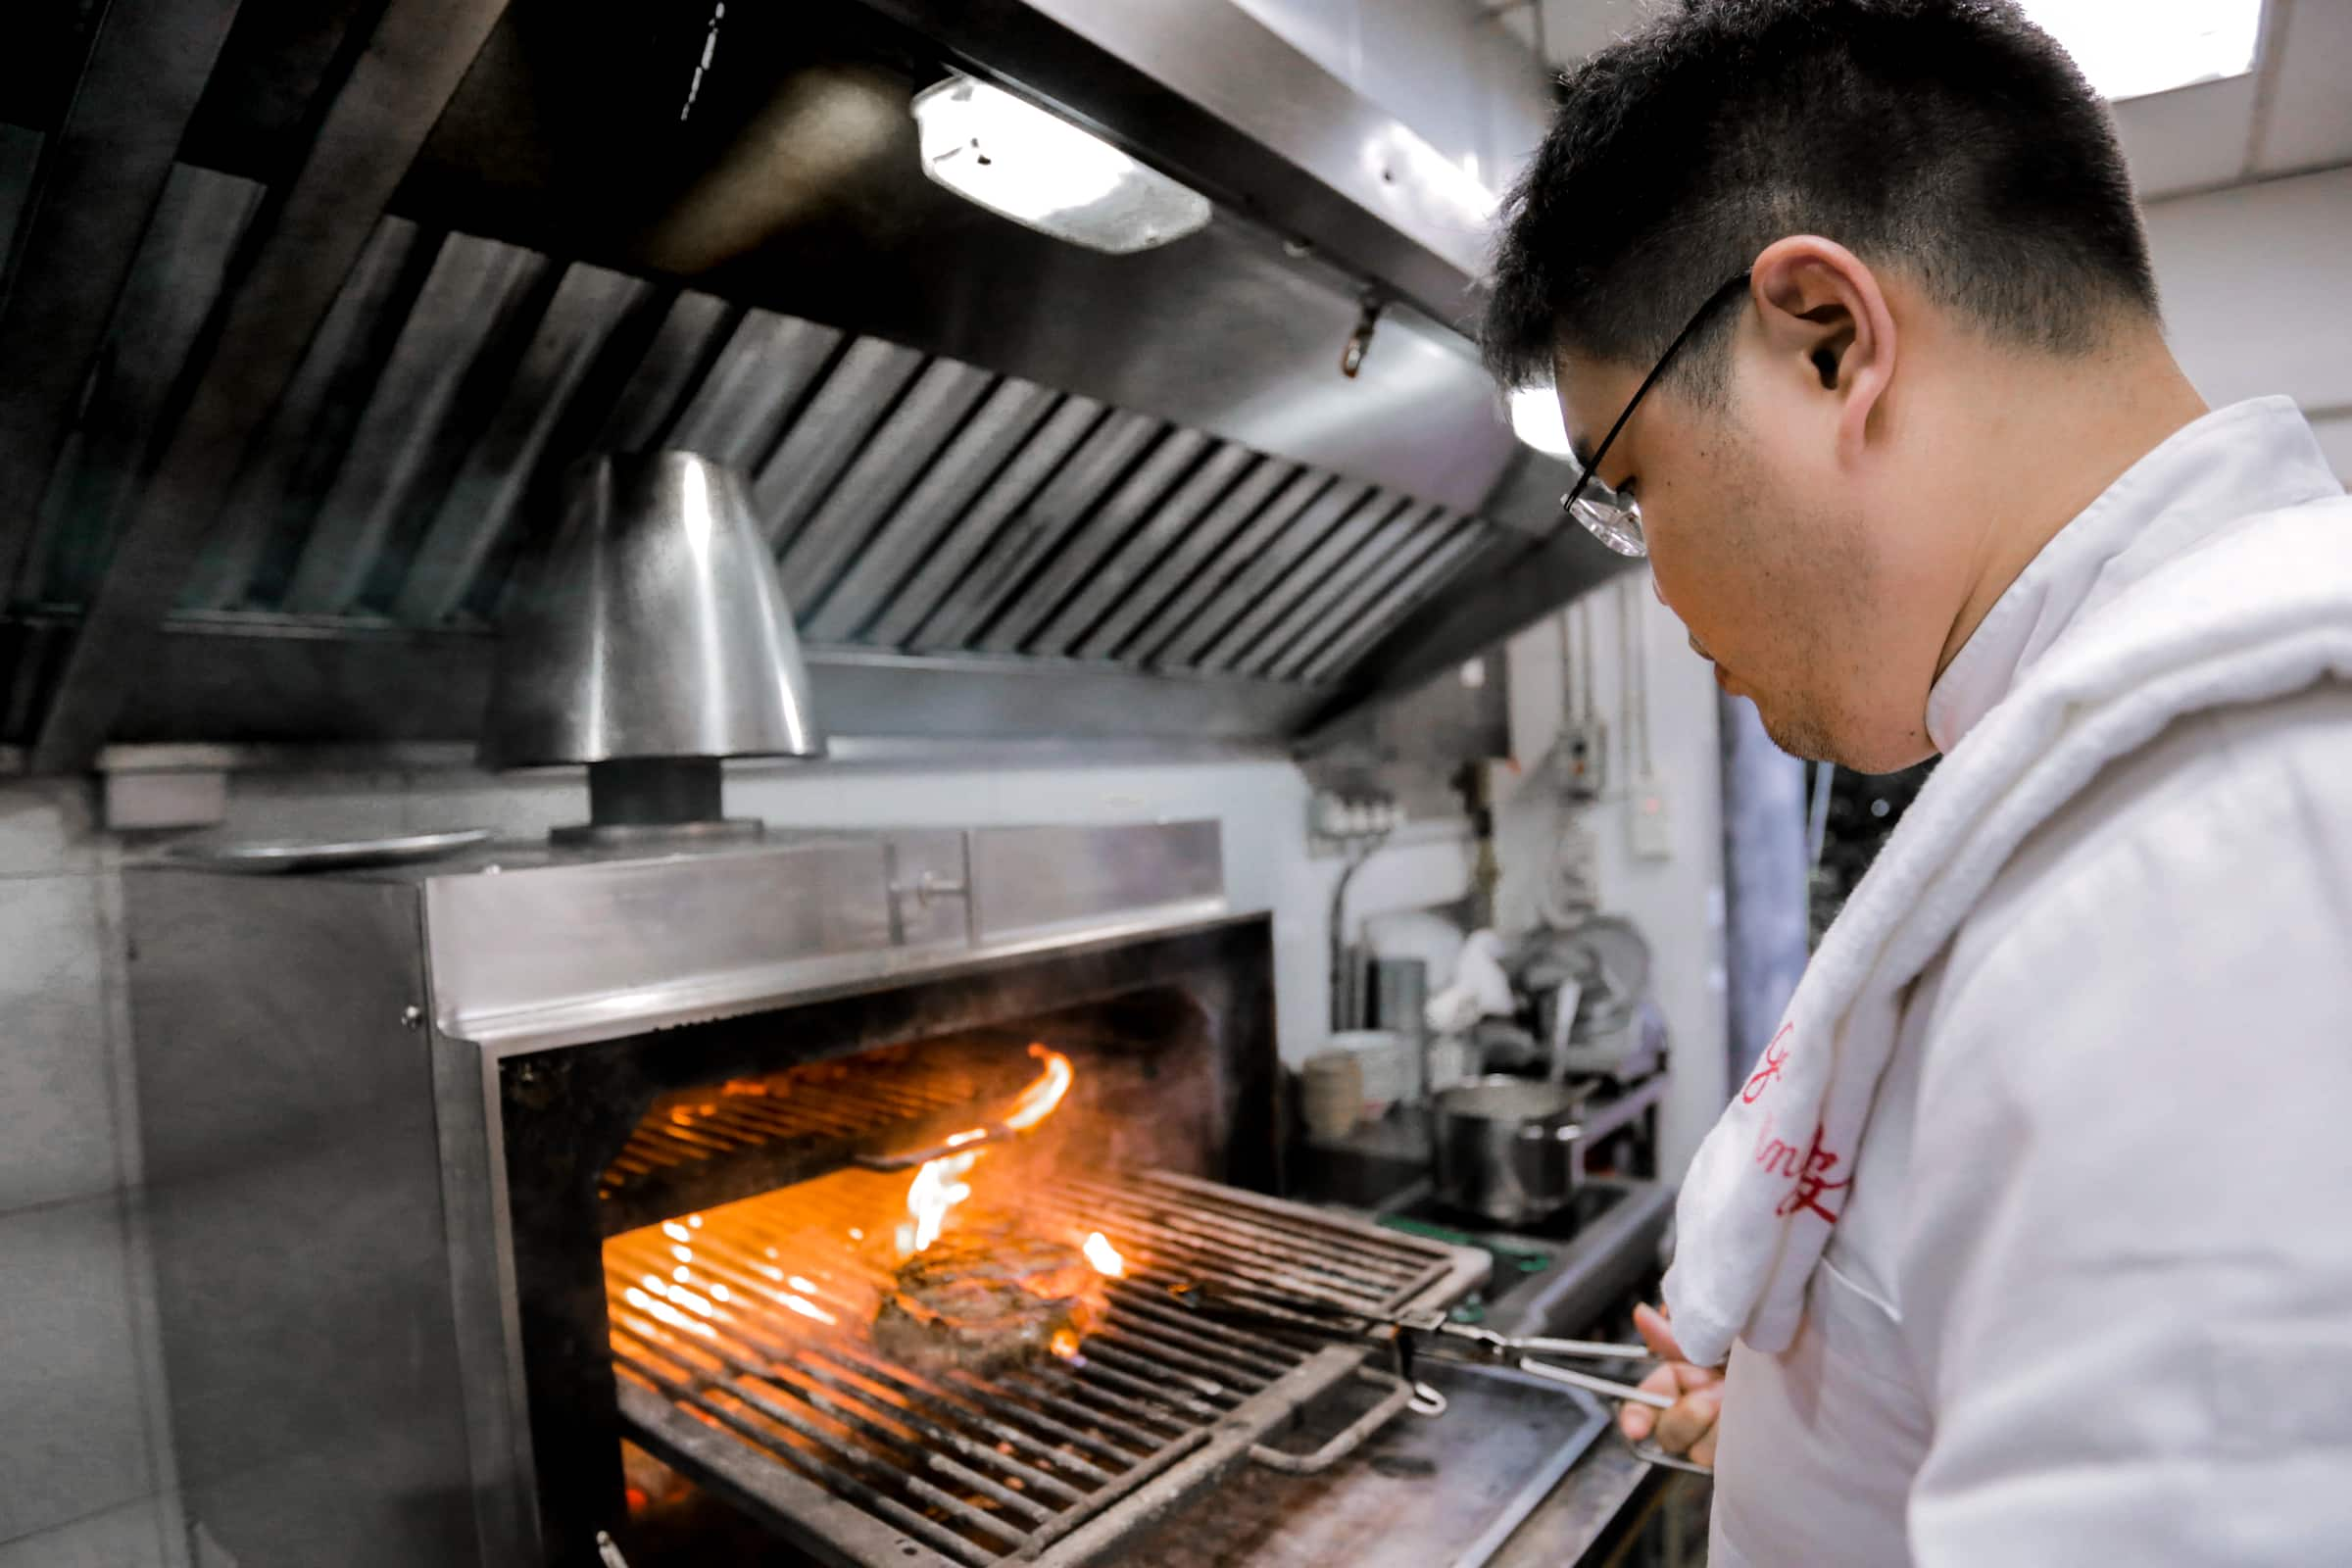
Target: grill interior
[[743, 1354], [709, 1146]]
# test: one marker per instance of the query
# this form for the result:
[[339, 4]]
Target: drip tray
[[1440, 1492]]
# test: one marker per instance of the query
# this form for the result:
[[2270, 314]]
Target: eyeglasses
[[1614, 518]]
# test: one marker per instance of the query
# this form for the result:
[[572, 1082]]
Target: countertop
[[1597, 1504]]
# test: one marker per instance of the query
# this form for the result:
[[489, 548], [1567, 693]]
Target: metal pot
[[1506, 1148]]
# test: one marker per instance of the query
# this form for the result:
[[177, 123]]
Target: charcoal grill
[[415, 1131]]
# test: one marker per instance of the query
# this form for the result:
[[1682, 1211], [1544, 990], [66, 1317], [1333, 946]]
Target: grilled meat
[[985, 1299]]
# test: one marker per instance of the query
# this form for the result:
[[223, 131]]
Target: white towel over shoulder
[[2260, 611]]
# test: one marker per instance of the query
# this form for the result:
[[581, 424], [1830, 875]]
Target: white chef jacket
[[2090, 1300]]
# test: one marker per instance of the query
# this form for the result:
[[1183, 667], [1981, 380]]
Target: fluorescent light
[[1536, 420], [2130, 50], [1037, 169]]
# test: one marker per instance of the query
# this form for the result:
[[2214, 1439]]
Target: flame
[[1036, 1102], [1065, 1344], [1105, 1256], [936, 1189], [939, 1186]]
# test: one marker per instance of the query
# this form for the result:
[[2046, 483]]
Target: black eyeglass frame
[[1730, 287]]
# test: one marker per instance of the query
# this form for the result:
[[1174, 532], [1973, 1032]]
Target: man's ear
[[1826, 316]]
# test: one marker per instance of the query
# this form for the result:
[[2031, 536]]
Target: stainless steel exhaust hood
[[650, 645], [309, 307]]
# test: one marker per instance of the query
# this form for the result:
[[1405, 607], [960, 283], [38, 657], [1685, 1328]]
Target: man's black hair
[[1950, 139]]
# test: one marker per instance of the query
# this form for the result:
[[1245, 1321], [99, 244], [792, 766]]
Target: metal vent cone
[[655, 628]]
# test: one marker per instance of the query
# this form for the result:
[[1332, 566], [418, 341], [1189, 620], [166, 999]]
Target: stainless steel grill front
[[741, 1345]]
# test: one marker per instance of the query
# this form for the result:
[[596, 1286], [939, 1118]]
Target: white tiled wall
[[1678, 899], [85, 1448], [81, 1440]]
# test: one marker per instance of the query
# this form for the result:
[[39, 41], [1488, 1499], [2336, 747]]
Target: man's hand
[[1686, 1431]]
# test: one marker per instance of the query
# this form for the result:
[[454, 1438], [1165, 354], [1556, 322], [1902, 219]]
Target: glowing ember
[[664, 1313], [809, 1309], [1105, 1256], [1036, 1102], [1065, 1344]]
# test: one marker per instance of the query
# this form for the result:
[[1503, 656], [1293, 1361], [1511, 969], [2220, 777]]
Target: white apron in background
[[2089, 1298]]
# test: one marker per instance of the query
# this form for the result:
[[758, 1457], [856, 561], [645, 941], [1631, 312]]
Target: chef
[[2026, 1239]]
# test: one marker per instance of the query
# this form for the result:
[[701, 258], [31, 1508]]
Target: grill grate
[[731, 1369], [712, 1145]]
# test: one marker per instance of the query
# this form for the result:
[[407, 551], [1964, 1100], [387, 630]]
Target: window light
[[2145, 46], [1027, 164]]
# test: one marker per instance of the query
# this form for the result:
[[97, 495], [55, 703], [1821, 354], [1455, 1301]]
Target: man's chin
[[1796, 734]]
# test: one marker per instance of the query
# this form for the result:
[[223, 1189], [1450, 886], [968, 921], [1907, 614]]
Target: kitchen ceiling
[[2291, 113]]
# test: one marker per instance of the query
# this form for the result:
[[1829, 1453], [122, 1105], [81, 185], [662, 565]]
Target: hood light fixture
[[1032, 166]]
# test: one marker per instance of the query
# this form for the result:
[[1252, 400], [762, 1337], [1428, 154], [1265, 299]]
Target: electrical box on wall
[[1347, 818], [1646, 820], [1583, 753], [1407, 748]]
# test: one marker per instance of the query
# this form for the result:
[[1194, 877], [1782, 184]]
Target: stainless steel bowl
[[1506, 1148]]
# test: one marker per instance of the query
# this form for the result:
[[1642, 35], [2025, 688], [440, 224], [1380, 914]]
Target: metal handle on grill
[[929, 886], [1344, 1442]]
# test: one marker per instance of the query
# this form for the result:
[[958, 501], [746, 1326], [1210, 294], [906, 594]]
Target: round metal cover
[[274, 856]]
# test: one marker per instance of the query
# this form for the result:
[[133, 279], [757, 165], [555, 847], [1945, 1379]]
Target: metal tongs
[[1429, 1331]]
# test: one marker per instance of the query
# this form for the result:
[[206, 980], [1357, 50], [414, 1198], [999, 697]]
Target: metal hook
[[1360, 341]]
